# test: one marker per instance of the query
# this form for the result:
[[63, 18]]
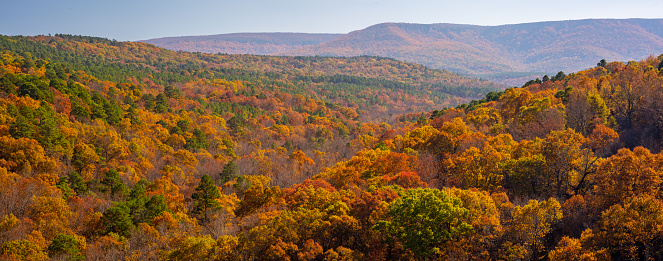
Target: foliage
[[424, 219], [141, 153]]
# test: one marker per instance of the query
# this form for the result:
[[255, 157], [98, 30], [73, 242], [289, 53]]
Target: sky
[[132, 20]]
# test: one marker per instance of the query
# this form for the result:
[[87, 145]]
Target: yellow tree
[[482, 168], [629, 173], [532, 222], [563, 154], [634, 229]]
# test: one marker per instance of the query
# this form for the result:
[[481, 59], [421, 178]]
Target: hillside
[[125, 151], [242, 43], [492, 51], [546, 46]]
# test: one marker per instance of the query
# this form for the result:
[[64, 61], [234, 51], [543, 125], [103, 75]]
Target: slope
[[501, 53], [544, 46], [413, 87], [242, 43]]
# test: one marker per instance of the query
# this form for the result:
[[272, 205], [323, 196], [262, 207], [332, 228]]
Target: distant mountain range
[[243, 43], [507, 53]]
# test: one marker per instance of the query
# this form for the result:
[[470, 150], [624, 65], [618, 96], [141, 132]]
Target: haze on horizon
[[138, 20]]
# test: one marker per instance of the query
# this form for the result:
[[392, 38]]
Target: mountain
[[242, 43], [496, 52]]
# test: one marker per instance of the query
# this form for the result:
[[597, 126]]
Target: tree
[[22, 250], [579, 114], [161, 103], [113, 184], [66, 245], [22, 128], [602, 63], [559, 76], [629, 173], [205, 197], [256, 192], [194, 248], [634, 229], [532, 222], [424, 219], [77, 183], [229, 172], [117, 220]]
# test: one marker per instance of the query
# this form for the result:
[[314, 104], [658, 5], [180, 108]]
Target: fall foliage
[[182, 164]]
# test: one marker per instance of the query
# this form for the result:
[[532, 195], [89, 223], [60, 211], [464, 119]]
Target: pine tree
[[229, 171], [112, 183], [205, 197], [77, 183], [117, 220]]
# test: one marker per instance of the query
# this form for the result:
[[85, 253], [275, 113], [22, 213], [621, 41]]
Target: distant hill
[[242, 43], [484, 50]]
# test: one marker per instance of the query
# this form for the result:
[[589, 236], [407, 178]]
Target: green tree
[[63, 185], [22, 128], [65, 245], [205, 197], [114, 112], [424, 219], [201, 139], [230, 170], [161, 103], [155, 206], [113, 184], [77, 183], [602, 63], [117, 220]]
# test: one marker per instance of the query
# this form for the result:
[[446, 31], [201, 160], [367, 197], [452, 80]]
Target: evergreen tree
[[77, 183], [602, 63], [201, 139], [161, 103], [230, 170], [205, 197], [66, 246], [112, 183], [155, 206], [22, 128], [63, 185], [117, 220]]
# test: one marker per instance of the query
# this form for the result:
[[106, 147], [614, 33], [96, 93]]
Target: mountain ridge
[[242, 43], [551, 46]]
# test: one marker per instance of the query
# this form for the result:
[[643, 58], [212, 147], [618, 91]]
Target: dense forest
[[125, 151]]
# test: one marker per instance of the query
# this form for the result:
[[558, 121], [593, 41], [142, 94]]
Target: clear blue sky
[[144, 19]]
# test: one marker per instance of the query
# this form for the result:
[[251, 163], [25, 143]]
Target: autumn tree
[[626, 174], [531, 223], [634, 229]]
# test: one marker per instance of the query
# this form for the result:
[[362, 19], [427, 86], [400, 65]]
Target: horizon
[[132, 21]]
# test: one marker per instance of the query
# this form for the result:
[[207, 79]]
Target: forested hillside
[[124, 151]]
